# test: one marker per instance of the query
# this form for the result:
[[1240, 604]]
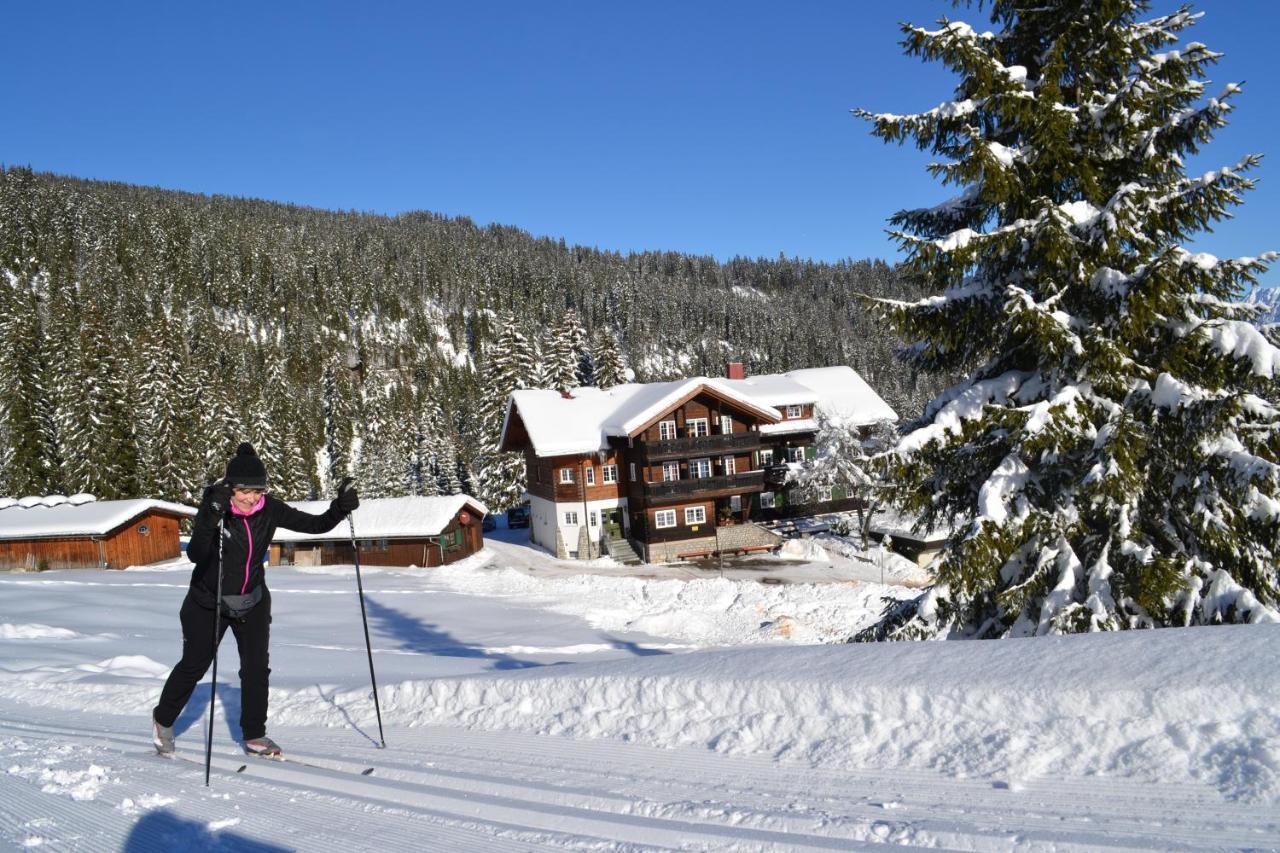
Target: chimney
[[736, 370]]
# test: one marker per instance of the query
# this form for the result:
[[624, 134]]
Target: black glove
[[347, 500], [217, 497]]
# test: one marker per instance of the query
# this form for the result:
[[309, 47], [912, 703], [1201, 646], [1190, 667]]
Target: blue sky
[[718, 128]]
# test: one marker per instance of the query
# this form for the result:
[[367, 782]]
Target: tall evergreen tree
[[27, 462], [564, 352], [609, 369], [103, 444], [508, 366], [163, 420], [1110, 460], [339, 430]]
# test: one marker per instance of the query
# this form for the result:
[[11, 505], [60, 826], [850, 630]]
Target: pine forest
[[146, 332]]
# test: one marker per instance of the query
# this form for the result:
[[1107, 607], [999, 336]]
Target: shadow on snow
[[163, 830], [416, 635]]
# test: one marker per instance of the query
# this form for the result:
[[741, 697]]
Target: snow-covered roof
[[788, 427], [389, 518], [888, 522], [838, 391], [582, 422], [56, 516]]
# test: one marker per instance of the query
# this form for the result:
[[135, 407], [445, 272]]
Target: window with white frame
[[735, 503], [730, 466], [695, 515], [794, 411], [631, 469], [571, 517], [795, 454], [609, 473], [699, 468], [670, 471], [593, 520], [591, 475], [664, 518], [726, 424], [566, 475], [666, 430], [766, 457], [697, 426], [766, 500]]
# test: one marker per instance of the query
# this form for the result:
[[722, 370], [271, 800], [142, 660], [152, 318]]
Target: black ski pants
[[252, 635]]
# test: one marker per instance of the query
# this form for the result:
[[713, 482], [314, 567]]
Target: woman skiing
[[246, 532]]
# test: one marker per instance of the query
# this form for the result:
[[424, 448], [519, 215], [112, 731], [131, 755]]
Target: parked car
[[518, 516], [490, 523]]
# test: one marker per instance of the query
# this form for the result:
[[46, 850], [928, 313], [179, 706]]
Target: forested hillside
[[146, 331]]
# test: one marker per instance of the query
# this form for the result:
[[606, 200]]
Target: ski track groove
[[1031, 813], [493, 787], [1093, 794]]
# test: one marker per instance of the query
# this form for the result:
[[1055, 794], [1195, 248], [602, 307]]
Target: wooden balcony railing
[[698, 445], [747, 481]]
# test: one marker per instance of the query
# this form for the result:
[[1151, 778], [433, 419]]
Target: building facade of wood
[[414, 531], [664, 470], [59, 533]]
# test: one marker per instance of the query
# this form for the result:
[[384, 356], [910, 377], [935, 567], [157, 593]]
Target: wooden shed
[[79, 532], [412, 531], [922, 546]]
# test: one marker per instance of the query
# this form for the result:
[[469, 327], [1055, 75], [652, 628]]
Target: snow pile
[[1134, 704], [895, 568], [804, 549], [35, 631], [704, 611]]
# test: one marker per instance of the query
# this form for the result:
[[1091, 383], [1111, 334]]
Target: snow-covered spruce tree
[[508, 366], [845, 463], [28, 456], [609, 369], [563, 353], [1110, 461], [339, 428], [102, 445], [164, 422]]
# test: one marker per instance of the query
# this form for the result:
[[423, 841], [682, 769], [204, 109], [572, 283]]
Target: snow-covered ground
[[530, 704]]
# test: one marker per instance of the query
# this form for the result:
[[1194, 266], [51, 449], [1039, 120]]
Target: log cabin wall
[[456, 542], [122, 547], [129, 546], [78, 553]]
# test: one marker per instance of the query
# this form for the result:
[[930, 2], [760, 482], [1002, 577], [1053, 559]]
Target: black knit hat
[[246, 469]]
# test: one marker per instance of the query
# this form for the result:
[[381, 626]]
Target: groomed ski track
[[439, 788]]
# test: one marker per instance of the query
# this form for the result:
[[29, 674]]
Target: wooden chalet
[[56, 532], [411, 531], [659, 471]]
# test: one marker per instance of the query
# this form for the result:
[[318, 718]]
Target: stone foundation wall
[[738, 536], [666, 552]]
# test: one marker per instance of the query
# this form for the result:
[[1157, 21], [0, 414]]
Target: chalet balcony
[[704, 487], [698, 445], [776, 475]]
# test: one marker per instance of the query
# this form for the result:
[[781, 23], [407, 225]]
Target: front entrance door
[[612, 519]]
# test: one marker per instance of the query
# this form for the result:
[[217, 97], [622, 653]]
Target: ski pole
[[355, 550], [213, 688]]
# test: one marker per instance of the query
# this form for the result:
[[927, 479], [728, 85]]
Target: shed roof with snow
[[56, 517], [390, 518]]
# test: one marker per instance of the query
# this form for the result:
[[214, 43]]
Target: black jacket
[[242, 564]]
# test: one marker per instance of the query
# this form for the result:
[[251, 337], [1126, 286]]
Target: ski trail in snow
[[566, 793]]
